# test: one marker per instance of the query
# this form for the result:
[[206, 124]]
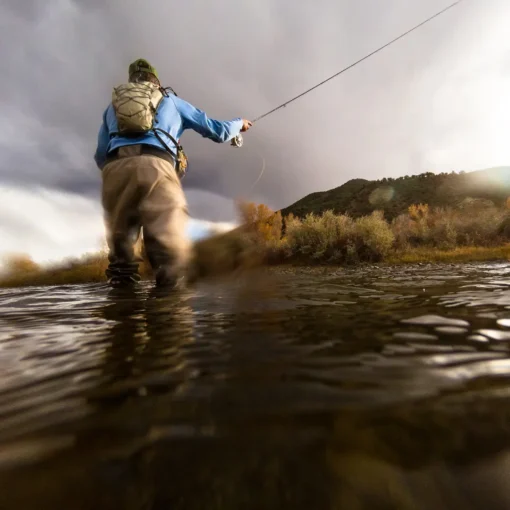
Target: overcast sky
[[436, 101]]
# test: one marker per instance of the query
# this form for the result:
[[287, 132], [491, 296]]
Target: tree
[[418, 211], [265, 221]]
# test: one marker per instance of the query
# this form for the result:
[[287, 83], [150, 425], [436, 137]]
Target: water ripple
[[126, 370]]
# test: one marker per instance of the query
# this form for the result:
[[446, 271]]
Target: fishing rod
[[238, 140]]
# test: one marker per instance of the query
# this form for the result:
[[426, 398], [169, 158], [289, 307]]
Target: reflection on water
[[373, 388]]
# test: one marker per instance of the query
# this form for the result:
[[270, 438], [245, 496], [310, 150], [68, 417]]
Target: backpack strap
[[166, 89], [180, 157], [179, 148]]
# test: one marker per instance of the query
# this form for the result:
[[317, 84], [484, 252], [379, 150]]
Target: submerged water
[[372, 388]]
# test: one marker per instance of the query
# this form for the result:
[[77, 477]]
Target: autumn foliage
[[266, 222], [338, 238]]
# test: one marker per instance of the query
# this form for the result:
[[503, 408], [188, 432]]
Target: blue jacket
[[174, 116]]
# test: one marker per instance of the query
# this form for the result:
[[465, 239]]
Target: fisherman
[[142, 165]]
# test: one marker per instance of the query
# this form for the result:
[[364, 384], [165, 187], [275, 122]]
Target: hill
[[360, 197]]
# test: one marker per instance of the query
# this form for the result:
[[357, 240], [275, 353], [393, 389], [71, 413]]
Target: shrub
[[374, 235], [338, 238]]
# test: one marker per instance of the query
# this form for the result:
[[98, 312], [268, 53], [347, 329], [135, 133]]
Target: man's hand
[[247, 124]]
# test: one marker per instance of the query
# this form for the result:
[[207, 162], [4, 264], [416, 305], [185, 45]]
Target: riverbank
[[90, 269], [472, 234]]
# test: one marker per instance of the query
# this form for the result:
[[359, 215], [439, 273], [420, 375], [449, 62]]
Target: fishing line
[[283, 105], [260, 175], [238, 140]]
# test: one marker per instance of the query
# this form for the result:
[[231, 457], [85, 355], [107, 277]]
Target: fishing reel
[[237, 141]]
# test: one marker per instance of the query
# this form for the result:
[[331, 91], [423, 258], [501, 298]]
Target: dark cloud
[[29, 10], [214, 207], [428, 103]]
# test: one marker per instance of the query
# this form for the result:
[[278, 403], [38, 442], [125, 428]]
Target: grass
[[457, 255], [22, 271], [218, 255], [474, 233]]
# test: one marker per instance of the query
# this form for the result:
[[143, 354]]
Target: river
[[363, 388]]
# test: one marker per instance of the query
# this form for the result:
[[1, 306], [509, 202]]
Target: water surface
[[372, 388]]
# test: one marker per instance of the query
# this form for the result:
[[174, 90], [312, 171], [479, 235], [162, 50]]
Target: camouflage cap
[[143, 66]]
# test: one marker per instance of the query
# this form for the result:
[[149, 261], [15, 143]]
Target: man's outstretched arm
[[216, 130]]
